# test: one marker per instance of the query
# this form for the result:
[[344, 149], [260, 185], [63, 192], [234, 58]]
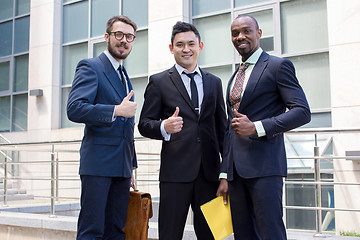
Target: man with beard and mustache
[[258, 94], [102, 98]]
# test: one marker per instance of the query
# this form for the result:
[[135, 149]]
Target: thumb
[[237, 114], [131, 93], [176, 113]]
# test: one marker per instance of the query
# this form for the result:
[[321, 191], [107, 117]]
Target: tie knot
[[190, 75], [244, 66]]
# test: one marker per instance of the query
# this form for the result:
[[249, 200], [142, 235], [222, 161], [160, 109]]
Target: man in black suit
[[258, 94], [184, 107]]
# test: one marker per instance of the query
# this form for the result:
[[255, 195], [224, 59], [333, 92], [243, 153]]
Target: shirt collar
[[254, 57], [113, 61], [180, 69]]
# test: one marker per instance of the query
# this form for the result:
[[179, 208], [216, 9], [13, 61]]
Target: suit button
[[198, 140]]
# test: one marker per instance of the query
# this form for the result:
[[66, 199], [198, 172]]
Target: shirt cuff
[[223, 175], [163, 132], [260, 129], [113, 116]]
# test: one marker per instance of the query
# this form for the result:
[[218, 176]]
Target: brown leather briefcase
[[138, 215]]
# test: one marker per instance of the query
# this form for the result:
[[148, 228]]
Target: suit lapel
[[112, 76], [253, 80], [176, 79], [206, 89]]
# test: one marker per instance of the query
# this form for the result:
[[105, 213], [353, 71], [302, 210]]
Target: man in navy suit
[[184, 107], [255, 158], [102, 98]]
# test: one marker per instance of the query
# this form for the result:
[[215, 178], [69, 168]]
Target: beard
[[116, 54]]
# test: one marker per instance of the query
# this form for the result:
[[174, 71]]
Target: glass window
[[241, 3], [217, 40], [19, 119], [139, 85], [319, 120], [223, 72], [65, 122], [4, 76], [299, 30], [208, 6], [6, 9], [75, 13], [71, 56], [21, 39], [265, 21], [137, 61], [5, 38], [22, 7], [314, 76], [101, 11], [99, 48], [21, 73], [5, 114], [137, 11]]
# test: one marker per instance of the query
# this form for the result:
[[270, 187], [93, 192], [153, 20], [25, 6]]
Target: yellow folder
[[218, 217]]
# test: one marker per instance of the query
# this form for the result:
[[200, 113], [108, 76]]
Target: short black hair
[[180, 27], [247, 15], [119, 18]]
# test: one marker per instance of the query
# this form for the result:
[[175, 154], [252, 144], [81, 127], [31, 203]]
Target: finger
[[131, 93], [225, 198], [237, 114], [176, 113]]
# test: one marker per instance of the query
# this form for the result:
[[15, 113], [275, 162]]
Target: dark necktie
[[194, 92], [123, 80]]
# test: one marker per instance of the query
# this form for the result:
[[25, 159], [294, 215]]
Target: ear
[[259, 33], [106, 36], [201, 45], [171, 48]]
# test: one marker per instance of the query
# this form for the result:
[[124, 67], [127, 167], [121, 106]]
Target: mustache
[[122, 44]]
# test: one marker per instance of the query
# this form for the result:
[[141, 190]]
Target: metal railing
[[55, 148]]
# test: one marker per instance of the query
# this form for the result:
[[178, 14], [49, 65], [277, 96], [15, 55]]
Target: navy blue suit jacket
[[201, 139], [272, 88], [107, 147]]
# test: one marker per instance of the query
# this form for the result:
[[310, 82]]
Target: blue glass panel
[[137, 11], [75, 21], [101, 11], [5, 38], [21, 38]]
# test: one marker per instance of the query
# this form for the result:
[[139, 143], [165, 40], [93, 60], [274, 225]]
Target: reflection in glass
[[75, 13], [19, 118], [313, 74], [21, 39], [217, 39], [22, 7], [137, 11], [299, 30], [208, 6], [5, 38], [4, 114], [101, 11], [21, 73], [71, 56], [4, 76], [6, 9]]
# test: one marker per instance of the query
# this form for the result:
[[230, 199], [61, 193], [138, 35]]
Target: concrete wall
[[344, 46]]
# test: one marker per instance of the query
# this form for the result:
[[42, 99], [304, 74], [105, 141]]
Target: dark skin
[[245, 36]]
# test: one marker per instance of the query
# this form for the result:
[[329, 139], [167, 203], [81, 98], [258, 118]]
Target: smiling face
[[186, 49], [119, 49], [245, 36]]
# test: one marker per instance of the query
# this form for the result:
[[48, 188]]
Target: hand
[[126, 108], [174, 123], [242, 125], [132, 184], [223, 190]]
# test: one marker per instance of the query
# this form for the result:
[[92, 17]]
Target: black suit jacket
[[201, 139]]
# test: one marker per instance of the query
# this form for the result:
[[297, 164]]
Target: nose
[[240, 36], [186, 48]]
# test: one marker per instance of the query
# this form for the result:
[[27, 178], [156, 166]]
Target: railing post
[[52, 205], [317, 188], [57, 178], [5, 180]]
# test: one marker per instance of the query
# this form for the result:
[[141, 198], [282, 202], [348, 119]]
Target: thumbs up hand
[[126, 108], [174, 123]]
